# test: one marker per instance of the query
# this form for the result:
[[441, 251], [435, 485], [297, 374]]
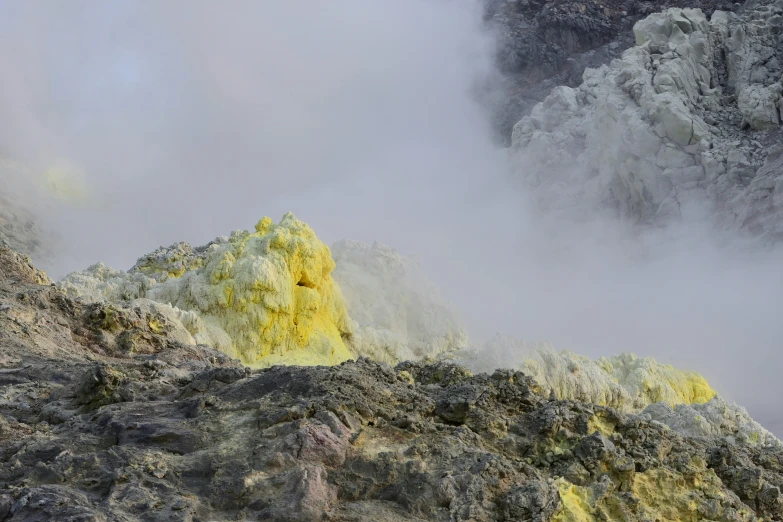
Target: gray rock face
[[105, 416], [543, 44], [681, 125]]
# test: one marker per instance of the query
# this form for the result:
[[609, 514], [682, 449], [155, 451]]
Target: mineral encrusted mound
[[397, 313], [276, 296], [104, 416], [681, 125], [264, 297]]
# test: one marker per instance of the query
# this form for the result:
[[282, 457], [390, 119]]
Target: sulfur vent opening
[[306, 284]]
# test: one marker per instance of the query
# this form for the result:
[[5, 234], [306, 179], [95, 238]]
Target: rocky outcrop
[[678, 126], [396, 315], [104, 416], [20, 230], [640, 386], [543, 44]]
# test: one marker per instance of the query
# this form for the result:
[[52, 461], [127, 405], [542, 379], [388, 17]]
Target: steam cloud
[[190, 119]]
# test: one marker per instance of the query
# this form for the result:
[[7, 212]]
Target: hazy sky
[[189, 119]]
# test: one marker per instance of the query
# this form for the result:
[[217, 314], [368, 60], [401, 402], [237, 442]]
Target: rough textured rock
[[716, 417], [104, 417], [543, 44], [397, 313], [399, 317], [679, 126]]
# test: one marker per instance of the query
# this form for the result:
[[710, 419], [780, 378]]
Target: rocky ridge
[[634, 385], [106, 417]]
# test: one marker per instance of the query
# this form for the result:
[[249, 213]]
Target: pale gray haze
[[193, 118]]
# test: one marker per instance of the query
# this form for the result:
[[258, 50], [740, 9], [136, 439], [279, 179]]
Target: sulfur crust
[[659, 494], [271, 291], [601, 424], [575, 502], [658, 382], [626, 382]]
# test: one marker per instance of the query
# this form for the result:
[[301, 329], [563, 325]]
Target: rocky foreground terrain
[[108, 413]]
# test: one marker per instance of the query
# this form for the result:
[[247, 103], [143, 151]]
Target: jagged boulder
[[543, 43]]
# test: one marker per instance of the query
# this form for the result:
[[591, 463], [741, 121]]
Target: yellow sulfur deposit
[[575, 503], [270, 291], [626, 382], [656, 494], [601, 424], [658, 382]]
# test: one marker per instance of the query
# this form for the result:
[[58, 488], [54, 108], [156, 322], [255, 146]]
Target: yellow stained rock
[[626, 382], [576, 504], [659, 494], [271, 291], [601, 424]]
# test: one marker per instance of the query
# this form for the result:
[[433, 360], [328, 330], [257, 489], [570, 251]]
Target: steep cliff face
[[106, 415], [685, 123]]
